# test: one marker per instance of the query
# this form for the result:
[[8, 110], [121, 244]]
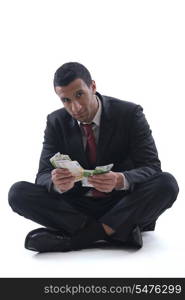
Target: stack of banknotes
[[64, 161]]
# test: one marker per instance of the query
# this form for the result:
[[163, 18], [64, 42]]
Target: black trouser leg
[[54, 210], [142, 206], [49, 209]]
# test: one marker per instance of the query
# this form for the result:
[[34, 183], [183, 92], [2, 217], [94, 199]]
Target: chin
[[83, 119]]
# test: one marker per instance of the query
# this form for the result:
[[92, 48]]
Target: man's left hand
[[106, 182]]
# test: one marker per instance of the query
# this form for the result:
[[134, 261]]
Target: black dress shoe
[[135, 238], [149, 227], [47, 240]]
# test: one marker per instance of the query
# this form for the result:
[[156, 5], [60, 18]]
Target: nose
[[75, 107]]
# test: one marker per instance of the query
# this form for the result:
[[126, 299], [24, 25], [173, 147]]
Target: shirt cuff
[[126, 184]]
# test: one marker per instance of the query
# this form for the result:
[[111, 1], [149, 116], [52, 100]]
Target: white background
[[135, 50]]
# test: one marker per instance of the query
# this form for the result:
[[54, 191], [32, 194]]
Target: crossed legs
[[140, 207]]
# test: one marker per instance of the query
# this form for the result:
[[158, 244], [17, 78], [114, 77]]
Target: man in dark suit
[[94, 130]]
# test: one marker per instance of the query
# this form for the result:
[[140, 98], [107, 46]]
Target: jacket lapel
[[107, 129]]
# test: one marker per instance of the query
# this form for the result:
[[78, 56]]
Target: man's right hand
[[62, 179]]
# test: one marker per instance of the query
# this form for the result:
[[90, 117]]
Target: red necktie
[[91, 153], [91, 144]]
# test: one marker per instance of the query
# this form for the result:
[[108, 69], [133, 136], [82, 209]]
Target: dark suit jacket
[[125, 140]]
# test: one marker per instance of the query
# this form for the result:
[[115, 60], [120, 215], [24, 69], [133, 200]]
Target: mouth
[[78, 115]]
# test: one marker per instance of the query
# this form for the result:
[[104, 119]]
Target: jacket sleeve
[[142, 150], [50, 147], [53, 142]]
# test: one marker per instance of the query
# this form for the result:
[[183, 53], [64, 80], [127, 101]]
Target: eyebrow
[[77, 91]]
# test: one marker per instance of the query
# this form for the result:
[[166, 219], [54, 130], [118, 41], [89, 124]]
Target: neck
[[96, 106]]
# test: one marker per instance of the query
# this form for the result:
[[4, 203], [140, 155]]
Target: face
[[79, 100]]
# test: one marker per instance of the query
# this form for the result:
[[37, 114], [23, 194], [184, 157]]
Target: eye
[[79, 94], [65, 100]]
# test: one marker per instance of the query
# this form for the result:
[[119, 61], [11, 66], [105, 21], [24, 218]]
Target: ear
[[93, 86]]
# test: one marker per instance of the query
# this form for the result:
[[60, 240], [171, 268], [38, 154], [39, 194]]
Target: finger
[[58, 179], [99, 181], [63, 177], [102, 176], [64, 181], [104, 190], [103, 186], [61, 171]]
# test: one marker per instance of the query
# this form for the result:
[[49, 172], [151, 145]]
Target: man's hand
[[62, 179], [106, 182]]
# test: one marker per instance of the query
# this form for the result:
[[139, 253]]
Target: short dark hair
[[71, 71]]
